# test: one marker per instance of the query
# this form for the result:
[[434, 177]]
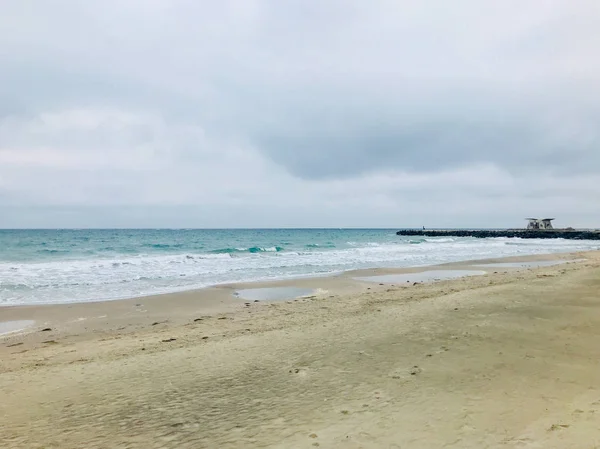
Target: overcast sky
[[295, 113]]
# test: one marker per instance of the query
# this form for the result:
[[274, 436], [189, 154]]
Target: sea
[[63, 266]]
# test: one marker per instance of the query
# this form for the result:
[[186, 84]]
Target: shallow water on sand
[[273, 293], [8, 327], [424, 276], [532, 264]]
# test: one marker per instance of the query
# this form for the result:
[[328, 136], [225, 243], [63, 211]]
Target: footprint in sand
[[301, 372], [404, 374]]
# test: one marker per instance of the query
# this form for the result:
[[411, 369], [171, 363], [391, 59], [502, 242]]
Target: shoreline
[[506, 359], [86, 318], [310, 278], [122, 276]]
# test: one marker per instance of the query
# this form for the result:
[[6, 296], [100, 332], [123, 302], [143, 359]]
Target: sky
[[295, 113]]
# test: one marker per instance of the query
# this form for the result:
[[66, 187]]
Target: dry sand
[[508, 359]]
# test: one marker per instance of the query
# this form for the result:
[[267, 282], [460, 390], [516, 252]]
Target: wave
[[364, 244], [164, 246], [253, 250], [440, 240], [53, 251], [317, 245]]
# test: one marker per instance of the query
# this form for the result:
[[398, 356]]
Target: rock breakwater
[[511, 233]]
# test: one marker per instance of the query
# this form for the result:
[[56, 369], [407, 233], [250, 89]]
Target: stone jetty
[[572, 234]]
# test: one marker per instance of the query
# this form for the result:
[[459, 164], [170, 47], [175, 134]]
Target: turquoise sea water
[[54, 266]]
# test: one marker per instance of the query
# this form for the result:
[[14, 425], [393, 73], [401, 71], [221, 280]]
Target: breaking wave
[[252, 250]]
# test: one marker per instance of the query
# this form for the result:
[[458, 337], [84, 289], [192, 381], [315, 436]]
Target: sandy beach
[[509, 359]]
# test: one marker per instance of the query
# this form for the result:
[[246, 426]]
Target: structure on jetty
[[537, 223]]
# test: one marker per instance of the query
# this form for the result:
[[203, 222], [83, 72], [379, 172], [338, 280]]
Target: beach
[[508, 358], [299, 225]]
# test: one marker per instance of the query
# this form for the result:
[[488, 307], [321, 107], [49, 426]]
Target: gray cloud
[[242, 106], [341, 145]]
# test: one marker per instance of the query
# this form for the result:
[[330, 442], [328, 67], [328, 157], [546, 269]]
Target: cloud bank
[[263, 113]]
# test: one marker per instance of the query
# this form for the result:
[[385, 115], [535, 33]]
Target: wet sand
[[526, 264], [273, 293], [505, 359], [424, 276], [10, 327]]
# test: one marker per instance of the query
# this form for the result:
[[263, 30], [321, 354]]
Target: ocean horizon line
[[244, 228]]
